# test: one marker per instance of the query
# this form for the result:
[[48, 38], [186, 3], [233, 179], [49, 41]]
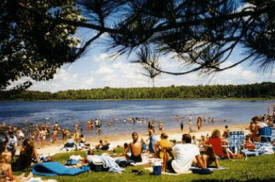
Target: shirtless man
[[136, 149]]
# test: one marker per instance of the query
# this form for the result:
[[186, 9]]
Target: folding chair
[[236, 140], [266, 134]]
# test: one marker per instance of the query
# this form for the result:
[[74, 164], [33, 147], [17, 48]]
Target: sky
[[96, 69]]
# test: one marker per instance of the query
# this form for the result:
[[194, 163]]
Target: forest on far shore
[[258, 90]]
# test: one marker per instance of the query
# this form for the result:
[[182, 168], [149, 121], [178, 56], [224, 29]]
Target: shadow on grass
[[234, 180]]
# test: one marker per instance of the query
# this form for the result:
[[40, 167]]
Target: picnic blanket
[[56, 169]]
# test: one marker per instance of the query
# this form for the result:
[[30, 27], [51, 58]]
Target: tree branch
[[82, 49], [239, 62]]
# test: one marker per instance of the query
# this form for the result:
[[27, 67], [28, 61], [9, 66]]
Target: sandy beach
[[120, 139]]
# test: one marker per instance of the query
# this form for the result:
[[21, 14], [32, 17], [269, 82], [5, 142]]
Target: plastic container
[[157, 168]]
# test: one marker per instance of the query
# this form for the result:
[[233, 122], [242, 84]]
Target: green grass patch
[[260, 168]]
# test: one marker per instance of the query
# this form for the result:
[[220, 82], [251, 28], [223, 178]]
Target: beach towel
[[56, 169], [105, 161]]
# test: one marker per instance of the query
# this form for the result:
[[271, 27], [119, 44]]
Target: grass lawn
[[254, 169]]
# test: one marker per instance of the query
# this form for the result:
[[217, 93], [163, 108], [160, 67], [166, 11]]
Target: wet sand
[[120, 139]]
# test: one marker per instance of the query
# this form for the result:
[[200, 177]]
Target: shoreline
[[120, 139], [148, 99]]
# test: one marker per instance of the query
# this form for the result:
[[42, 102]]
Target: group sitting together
[[185, 152], [179, 157]]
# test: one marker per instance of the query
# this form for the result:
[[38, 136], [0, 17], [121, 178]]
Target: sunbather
[[136, 149]]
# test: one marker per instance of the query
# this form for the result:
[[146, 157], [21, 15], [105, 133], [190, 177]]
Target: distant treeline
[[261, 90]]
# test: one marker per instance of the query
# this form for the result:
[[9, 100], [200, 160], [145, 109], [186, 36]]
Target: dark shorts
[[169, 167], [136, 158]]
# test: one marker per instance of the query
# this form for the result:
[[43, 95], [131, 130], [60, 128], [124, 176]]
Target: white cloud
[[100, 70], [104, 70]]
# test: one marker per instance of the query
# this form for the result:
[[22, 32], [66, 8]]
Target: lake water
[[68, 112]]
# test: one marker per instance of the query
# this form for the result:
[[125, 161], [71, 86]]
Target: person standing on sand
[[199, 122], [88, 125], [226, 131], [12, 143], [54, 136], [152, 140], [151, 125], [135, 148], [190, 125], [181, 126], [160, 125]]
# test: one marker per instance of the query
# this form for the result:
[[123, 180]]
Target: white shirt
[[185, 154], [13, 141]]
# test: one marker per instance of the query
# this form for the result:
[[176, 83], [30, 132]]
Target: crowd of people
[[44, 133], [177, 157]]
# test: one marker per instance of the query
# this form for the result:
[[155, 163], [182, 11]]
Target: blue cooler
[[157, 170]]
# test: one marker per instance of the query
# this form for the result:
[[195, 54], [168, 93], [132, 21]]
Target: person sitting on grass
[[162, 145], [219, 147], [135, 148], [5, 166], [102, 146], [186, 154], [248, 144], [28, 154], [70, 142]]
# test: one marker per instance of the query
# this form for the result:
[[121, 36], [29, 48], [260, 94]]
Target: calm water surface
[[68, 112]]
